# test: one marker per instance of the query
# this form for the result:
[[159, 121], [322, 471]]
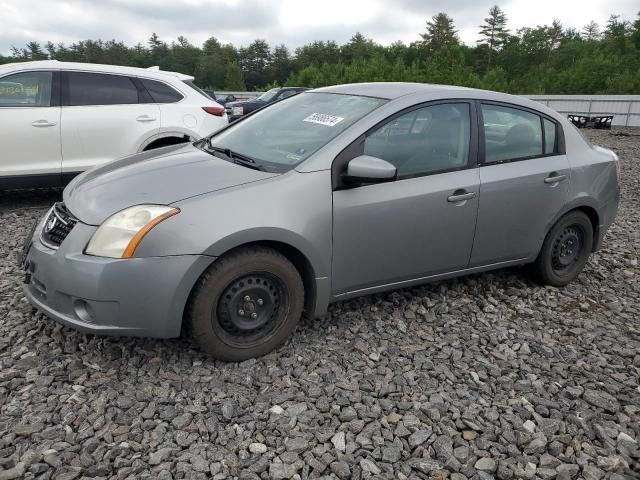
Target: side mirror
[[367, 169]]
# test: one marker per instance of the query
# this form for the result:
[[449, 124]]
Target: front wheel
[[246, 304], [565, 250]]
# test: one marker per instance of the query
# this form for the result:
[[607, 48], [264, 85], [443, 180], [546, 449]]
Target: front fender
[[271, 234]]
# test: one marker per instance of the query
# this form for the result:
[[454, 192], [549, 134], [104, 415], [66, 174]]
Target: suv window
[[100, 89], [510, 133], [426, 140], [192, 85], [26, 89], [161, 92]]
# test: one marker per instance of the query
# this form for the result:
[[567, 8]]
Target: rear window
[[196, 88], [84, 88], [161, 92]]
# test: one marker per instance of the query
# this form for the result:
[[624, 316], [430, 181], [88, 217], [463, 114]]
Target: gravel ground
[[488, 376]]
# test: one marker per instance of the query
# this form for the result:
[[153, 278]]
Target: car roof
[[151, 72], [392, 90], [395, 90]]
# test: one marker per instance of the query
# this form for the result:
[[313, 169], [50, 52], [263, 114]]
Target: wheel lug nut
[[254, 315], [260, 301], [247, 298], [240, 312]]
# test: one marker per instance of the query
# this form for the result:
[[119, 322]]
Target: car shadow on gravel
[[25, 199]]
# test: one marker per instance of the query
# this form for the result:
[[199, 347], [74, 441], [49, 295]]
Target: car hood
[[161, 176]]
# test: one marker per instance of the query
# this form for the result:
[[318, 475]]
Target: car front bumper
[[134, 297]]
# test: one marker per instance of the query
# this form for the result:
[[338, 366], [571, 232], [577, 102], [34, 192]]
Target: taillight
[[618, 172], [217, 111]]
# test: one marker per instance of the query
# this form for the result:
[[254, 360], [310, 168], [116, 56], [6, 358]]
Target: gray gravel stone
[[427, 382], [486, 464]]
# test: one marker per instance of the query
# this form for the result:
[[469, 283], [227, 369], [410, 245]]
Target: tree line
[[547, 59]]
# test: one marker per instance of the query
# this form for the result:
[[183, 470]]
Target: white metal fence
[[624, 108]]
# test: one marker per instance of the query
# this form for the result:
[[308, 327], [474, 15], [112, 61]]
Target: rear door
[[30, 124], [524, 182], [103, 118]]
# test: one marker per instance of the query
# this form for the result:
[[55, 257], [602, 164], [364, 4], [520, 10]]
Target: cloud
[[292, 22]]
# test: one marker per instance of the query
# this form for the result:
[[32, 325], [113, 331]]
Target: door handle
[[460, 196], [145, 118], [554, 178], [43, 123]]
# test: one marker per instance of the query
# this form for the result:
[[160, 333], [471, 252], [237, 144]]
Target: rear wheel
[[246, 304], [566, 250]]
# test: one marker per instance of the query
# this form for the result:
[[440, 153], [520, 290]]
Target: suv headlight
[[121, 233], [237, 111]]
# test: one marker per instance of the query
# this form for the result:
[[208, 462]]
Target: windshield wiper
[[238, 158]]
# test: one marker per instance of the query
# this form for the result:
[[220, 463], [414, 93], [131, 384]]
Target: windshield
[[286, 133], [268, 95]]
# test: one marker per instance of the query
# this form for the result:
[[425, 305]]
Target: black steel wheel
[[249, 307], [246, 304], [565, 250]]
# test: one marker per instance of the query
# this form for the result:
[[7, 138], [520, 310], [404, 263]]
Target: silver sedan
[[334, 193]]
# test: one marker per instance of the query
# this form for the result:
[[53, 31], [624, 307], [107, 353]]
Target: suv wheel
[[566, 250], [246, 304]]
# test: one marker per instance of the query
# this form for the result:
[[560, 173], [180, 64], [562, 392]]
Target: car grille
[[57, 225]]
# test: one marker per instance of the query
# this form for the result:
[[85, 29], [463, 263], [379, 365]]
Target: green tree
[[280, 65], [234, 80], [441, 33], [591, 31], [255, 61], [493, 32]]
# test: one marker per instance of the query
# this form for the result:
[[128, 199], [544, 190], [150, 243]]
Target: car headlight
[[121, 233], [237, 111]]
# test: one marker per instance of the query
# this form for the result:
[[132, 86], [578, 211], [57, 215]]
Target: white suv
[[58, 119]]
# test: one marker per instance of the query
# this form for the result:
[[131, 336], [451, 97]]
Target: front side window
[[100, 89], [427, 140], [27, 89], [280, 137], [510, 133], [161, 92]]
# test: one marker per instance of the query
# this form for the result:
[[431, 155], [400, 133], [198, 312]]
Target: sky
[[292, 22]]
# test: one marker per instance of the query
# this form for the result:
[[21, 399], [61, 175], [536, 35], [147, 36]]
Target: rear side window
[[549, 136], [161, 92], [27, 89], [196, 88], [84, 88], [510, 133]]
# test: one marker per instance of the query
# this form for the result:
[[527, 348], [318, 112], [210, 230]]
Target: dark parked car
[[236, 110], [221, 98]]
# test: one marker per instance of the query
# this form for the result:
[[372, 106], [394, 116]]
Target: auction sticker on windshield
[[324, 119]]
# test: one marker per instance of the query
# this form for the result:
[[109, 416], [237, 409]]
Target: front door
[[30, 125], [423, 223]]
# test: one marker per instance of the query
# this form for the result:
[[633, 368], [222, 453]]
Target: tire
[[246, 304], [565, 250]]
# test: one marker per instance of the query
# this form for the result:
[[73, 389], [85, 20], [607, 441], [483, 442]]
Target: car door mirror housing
[[367, 169]]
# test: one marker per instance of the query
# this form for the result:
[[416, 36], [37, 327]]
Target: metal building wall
[[625, 108]]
